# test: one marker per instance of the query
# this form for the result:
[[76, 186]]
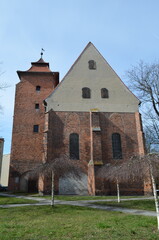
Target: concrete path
[[23, 197], [82, 203], [89, 204]]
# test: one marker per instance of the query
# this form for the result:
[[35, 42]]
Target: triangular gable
[[67, 95]]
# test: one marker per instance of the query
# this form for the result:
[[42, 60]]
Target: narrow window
[[36, 128], [116, 146], [38, 88], [92, 64], [37, 106], [86, 92], [74, 146], [104, 93]]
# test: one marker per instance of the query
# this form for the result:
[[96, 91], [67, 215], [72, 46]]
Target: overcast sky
[[124, 31]]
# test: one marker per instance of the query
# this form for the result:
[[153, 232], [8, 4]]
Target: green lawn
[[77, 197], [70, 223], [135, 204], [67, 197], [13, 200], [74, 197]]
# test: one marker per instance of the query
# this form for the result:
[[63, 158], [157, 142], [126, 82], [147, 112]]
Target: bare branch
[[61, 167], [144, 81]]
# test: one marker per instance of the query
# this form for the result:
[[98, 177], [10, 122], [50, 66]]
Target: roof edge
[[23, 73], [90, 43]]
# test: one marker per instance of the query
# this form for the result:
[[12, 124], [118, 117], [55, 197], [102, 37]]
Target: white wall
[[5, 170], [68, 95]]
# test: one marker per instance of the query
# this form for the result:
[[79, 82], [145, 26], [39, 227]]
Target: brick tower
[[29, 112]]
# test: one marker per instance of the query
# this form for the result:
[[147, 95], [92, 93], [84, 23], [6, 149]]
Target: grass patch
[[70, 222], [74, 197], [67, 197], [77, 197], [13, 200], [134, 204]]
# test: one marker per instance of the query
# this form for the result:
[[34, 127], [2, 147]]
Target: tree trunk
[[118, 191], [52, 190], [155, 194]]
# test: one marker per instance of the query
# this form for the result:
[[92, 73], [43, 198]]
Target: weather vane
[[42, 50]]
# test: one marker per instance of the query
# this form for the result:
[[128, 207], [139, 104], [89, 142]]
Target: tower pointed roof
[[39, 66]]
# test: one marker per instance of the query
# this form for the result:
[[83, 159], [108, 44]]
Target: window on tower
[[37, 106], [36, 128], [38, 88]]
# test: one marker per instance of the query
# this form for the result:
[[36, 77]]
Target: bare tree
[[151, 137], [144, 81], [121, 172], [152, 161], [109, 172], [59, 167], [137, 168]]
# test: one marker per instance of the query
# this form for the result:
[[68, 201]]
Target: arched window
[[92, 64], [86, 92], [104, 93], [116, 146], [74, 146]]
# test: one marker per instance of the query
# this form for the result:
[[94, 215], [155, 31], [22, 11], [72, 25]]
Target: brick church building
[[90, 115]]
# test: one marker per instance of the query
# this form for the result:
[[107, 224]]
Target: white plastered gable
[[68, 94]]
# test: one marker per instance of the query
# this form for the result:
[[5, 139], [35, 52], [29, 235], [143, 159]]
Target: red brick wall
[[125, 125], [27, 146], [1, 153], [62, 124]]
